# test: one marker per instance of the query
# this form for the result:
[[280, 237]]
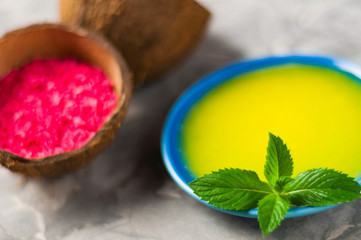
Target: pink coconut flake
[[53, 106]]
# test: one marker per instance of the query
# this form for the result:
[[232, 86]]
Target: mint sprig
[[236, 189]]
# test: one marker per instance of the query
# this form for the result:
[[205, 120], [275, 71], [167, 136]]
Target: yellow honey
[[315, 110]]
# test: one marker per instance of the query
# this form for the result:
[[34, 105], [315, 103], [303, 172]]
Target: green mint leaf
[[281, 182], [278, 160], [231, 189], [271, 211], [321, 186]]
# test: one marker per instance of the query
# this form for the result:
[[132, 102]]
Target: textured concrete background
[[126, 193]]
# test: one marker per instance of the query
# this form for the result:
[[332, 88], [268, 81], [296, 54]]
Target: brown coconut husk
[[152, 35], [46, 41]]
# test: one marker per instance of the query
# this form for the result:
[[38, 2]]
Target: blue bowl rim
[[170, 149]]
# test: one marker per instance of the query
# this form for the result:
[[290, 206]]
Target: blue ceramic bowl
[[170, 143]]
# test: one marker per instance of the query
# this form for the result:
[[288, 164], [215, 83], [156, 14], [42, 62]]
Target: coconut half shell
[[152, 35], [46, 41]]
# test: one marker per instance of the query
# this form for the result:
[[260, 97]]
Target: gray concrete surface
[[126, 192]]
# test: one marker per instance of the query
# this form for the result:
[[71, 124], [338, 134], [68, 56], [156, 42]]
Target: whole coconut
[[152, 35]]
